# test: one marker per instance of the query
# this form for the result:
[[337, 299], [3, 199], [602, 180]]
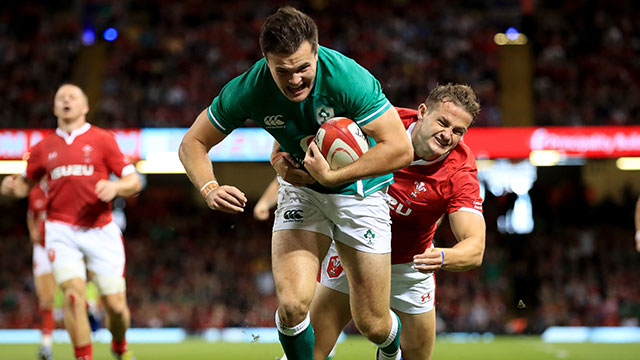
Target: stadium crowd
[[190, 268], [171, 57]]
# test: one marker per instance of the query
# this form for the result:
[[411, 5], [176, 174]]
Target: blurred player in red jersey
[[76, 161], [42, 271], [441, 181]]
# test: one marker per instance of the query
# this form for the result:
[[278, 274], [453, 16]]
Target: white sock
[[47, 341], [392, 333], [294, 330]]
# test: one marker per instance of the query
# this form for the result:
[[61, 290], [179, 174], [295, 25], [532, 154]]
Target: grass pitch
[[354, 348]]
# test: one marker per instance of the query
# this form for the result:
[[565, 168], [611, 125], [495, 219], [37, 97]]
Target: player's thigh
[[361, 223], [418, 334], [105, 257], [369, 281], [330, 313], [301, 236], [66, 257], [296, 256], [413, 299]]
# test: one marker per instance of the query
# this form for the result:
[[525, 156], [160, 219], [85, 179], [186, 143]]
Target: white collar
[[68, 138]]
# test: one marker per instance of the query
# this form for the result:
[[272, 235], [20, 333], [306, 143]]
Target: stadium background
[[192, 268]]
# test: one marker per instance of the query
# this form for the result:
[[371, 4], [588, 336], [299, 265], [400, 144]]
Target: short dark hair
[[459, 94], [286, 30]]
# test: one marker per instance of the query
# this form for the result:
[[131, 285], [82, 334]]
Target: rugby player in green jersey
[[290, 92]]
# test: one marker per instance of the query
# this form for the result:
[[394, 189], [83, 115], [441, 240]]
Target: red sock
[[119, 347], [83, 352], [47, 322]]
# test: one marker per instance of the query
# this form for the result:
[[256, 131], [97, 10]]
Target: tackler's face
[[439, 129], [70, 102], [294, 74]]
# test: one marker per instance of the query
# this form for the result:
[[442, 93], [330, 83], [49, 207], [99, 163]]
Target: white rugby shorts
[[361, 223], [73, 250], [412, 292], [41, 263]]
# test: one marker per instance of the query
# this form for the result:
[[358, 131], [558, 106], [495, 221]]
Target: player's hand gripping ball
[[341, 142]]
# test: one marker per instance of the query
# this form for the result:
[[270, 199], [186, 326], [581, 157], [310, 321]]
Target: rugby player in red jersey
[[441, 181], [76, 160]]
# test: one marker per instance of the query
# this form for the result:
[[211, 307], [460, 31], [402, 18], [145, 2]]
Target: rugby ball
[[341, 141]]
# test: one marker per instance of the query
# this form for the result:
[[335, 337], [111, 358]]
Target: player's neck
[[68, 125]]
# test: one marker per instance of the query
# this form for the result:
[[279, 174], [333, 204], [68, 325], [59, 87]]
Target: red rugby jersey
[[73, 164], [425, 191]]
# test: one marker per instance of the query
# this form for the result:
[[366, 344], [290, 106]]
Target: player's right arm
[[469, 230], [32, 226], [194, 155], [16, 186]]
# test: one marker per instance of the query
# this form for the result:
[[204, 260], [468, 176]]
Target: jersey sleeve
[[364, 99], [465, 193], [226, 110], [116, 162], [35, 164]]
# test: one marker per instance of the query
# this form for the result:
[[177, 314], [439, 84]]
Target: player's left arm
[[469, 230], [393, 151], [268, 200], [128, 183]]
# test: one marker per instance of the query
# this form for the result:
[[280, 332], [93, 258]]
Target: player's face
[[439, 129], [70, 103], [294, 73]]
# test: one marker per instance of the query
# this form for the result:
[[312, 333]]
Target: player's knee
[[292, 311], [73, 297], [372, 328], [115, 306]]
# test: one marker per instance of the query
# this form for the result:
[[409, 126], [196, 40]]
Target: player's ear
[[422, 111]]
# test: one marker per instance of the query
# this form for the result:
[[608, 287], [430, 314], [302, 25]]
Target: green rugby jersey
[[342, 88]]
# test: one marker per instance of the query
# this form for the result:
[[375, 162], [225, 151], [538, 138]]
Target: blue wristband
[[442, 252]]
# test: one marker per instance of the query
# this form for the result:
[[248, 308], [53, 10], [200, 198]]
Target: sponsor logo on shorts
[[52, 255], [334, 269], [294, 215], [369, 236], [273, 122], [426, 297]]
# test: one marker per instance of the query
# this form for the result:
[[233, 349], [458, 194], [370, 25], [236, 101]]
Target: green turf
[[354, 348]]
